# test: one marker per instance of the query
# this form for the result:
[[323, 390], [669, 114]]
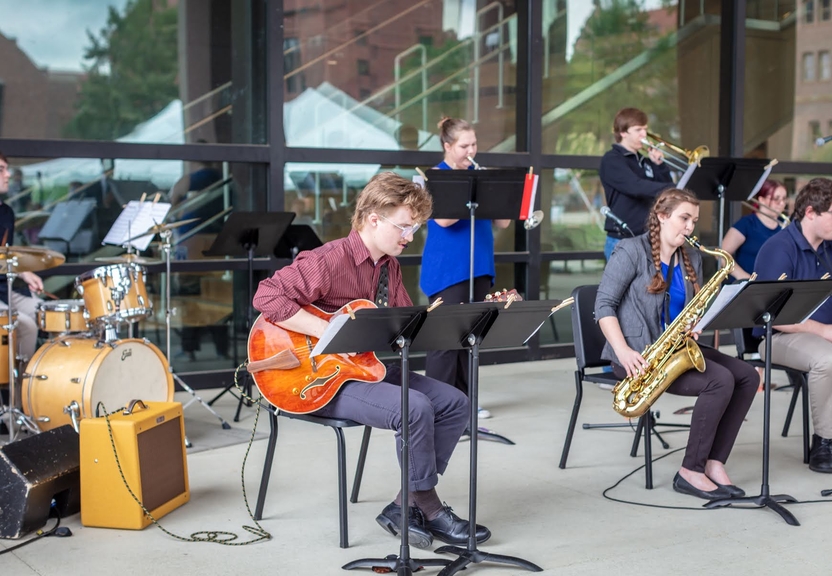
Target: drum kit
[[85, 363]]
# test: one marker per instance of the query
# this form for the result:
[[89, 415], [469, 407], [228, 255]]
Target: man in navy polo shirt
[[803, 251]]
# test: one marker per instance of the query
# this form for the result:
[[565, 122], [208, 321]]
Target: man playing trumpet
[[803, 251], [631, 181]]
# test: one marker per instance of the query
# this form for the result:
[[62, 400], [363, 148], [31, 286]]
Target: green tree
[[132, 71]]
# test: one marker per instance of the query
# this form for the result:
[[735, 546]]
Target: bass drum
[[88, 371]]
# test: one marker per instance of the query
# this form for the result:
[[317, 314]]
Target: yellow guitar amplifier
[[150, 441]]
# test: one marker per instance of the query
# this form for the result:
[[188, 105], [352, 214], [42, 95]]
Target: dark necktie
[[382, 291]]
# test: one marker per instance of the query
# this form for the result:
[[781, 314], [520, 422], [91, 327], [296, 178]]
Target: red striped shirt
[[328, 277]]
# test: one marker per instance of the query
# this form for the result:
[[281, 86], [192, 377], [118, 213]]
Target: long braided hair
[[665, 204]]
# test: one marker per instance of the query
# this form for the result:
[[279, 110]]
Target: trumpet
[[781, 217], [676, 156]]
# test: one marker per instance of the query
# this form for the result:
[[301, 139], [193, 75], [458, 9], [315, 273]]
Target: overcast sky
[[53, 33]]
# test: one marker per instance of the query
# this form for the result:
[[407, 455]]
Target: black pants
[[725, 391], [451, 366]]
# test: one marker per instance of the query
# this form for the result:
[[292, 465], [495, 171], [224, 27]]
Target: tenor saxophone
[[675, 352]]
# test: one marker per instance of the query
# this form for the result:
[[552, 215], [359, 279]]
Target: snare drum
[[4, 347], [88, 371], [62, 316], [103, 287]]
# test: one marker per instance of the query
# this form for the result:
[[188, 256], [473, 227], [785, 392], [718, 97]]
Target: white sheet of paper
[[417, 179], [725, 296], [137, 217], [334, 326], [683, 181]]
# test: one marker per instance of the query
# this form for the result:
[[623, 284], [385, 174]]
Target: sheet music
[[332, 329], [760, 182], [137, 217], [725, 296], [683, 181]]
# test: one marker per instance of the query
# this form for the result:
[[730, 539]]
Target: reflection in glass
[[357, 76], [133, 71]]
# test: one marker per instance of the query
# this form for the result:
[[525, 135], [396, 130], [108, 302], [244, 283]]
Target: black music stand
[[474, 326], [726, 179], [761, 304], [377, 330], [472, 194], [248, 234], [65, 222], [298, 238]]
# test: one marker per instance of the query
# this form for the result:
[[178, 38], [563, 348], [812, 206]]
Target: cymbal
[[161, 228], [29, 258], [127, 259]]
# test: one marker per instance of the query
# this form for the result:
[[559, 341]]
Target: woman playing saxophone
[[646, 284]]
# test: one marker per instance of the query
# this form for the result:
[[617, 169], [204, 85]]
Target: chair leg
[[342, 487], [787, 424], [267, 466], [648, 450], [804, 385], [359, 468], [579, 393]]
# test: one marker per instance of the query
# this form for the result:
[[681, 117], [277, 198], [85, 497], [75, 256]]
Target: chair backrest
[[589, 340], [745, 341]]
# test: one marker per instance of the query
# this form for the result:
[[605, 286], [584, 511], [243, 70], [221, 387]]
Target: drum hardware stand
[[166, 246], [16, 416]]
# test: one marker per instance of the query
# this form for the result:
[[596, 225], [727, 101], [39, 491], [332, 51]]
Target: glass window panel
[[825, 65], [70, 204], [160, 71], [323, 197], [808, 66], [809, 11], [363, 72], [603, 56]]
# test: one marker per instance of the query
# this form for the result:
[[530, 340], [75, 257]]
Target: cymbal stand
[[16, 416], [166, 246]]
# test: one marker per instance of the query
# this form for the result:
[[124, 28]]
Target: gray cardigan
[[623, 293]]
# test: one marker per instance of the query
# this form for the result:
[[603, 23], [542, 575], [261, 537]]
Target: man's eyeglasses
[[406, 230]]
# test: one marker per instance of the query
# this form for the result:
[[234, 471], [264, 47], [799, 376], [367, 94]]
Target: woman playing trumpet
[[445, 260], [750, 232]]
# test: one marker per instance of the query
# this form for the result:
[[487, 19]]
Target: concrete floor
[[556, 518]]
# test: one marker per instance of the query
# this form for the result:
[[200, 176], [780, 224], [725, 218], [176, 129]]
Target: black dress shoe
[[684, 487], [451, 529], [391, 520], [820, 458], [733, 490]]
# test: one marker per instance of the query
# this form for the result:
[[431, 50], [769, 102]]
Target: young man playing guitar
[[388, 212]]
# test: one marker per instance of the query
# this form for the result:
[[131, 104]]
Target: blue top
[[677, 292], [756, 233], [788, 252], [446, 257]]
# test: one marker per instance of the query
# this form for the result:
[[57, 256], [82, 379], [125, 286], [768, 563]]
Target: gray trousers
[[26, 332], [812, 354], [438, 416]]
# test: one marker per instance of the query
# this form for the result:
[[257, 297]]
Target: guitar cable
[[215, 536], [606, 494]]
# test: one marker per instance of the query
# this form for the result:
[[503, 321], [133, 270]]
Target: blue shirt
[[676, 291], [756, 234], [788, 252], [446, 256]]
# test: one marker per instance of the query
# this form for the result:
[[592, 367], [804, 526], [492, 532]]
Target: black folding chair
[[747, 346], [338, 427]]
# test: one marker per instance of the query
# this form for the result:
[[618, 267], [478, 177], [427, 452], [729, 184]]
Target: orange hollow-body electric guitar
[[289, 379]]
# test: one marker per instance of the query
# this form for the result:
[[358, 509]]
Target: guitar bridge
[[311, 358]]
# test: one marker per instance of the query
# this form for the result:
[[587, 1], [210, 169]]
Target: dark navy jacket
[[631, 183]]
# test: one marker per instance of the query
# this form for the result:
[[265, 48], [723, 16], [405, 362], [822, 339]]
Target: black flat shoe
[[451, 529], [684, 487], [391, 520], [733, 490]]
